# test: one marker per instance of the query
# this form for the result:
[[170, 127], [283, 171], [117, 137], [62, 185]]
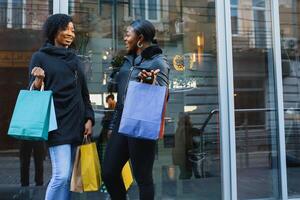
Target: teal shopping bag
[[33, 116]]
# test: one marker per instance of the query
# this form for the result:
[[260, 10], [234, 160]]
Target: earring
[[139, 45]]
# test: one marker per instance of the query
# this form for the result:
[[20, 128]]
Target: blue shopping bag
[[33, 116], [143, 110]]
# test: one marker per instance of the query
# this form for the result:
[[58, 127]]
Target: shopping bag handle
[[154, 80], [127, 83], [86, 139], [42, 87]]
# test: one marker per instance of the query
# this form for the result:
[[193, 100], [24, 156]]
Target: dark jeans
[[141, 153], [27, 147]]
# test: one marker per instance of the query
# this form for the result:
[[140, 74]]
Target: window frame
[[254, 23], [235, 7], [130, 10], [3, 6]]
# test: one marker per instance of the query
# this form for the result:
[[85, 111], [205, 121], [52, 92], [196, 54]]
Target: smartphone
[[148, 79]]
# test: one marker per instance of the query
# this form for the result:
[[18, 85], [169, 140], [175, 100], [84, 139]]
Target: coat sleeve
[[34, 62], [89, 112], [118, 107], [163, 76], [113, 120], [115, 116]]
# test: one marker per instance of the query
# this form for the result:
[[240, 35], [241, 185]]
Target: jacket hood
[[151, 51], [65, 54], [147, 53]]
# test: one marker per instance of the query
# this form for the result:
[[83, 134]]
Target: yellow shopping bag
[[90, 166], [127, 176]]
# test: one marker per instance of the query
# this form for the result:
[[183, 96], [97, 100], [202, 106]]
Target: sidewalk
[[10, 188], [10, 170], [165, 188], [38, 193]]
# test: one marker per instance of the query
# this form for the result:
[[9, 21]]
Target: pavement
[[252, 182], [166, 188], [10, 188]]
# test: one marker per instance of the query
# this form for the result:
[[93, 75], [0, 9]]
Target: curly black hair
[[54, 24]]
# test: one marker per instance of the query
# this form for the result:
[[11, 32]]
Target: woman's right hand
[[39, 75], [148, 77], [109, 132]]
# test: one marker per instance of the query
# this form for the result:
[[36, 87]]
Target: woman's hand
[[109, 132], [88, 127], [39, 75], [148, 77]]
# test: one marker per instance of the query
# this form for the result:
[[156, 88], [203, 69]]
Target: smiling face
[[131, 40], [64, 38]]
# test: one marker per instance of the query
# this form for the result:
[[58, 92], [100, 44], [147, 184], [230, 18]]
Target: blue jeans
[[62, 158]]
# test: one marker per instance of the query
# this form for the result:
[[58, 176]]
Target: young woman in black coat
[[143, 53], [57, 67]]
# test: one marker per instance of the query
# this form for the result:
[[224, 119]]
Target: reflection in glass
[[185, 154], [21, 35], [188, 40], [254, 98], [289, 29]]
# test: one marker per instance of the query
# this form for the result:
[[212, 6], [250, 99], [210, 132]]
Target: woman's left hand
[[145, 76], [88, 127]]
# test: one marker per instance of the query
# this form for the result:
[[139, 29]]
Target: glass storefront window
[[20, 35], [289, 29], [3, 15], [254, 101], [234, 17], [187, 164]]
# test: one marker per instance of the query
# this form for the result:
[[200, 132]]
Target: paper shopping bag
[[162, 125], [76, 180], [33, 116], [127, 176], [143, 110], [90, 167]]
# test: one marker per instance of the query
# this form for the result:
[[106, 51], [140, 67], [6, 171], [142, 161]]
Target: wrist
[[89, 121], [38, 83]]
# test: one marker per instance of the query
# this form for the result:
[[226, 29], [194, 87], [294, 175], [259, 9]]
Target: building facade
[[233, 117]]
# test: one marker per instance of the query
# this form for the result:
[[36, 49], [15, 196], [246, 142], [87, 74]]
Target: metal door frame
[[226, 94]]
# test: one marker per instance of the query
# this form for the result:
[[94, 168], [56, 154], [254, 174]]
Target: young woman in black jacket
[[57, 67], [144, 61]]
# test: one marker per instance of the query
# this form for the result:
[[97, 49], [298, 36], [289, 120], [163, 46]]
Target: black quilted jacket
[[150, 59]]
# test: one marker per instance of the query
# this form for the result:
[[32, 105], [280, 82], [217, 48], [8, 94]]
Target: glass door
[[289, 29], [255, 105], [187, 164]]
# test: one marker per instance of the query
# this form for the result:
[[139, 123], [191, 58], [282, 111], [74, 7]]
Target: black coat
[[65, 78], [150, 59]]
